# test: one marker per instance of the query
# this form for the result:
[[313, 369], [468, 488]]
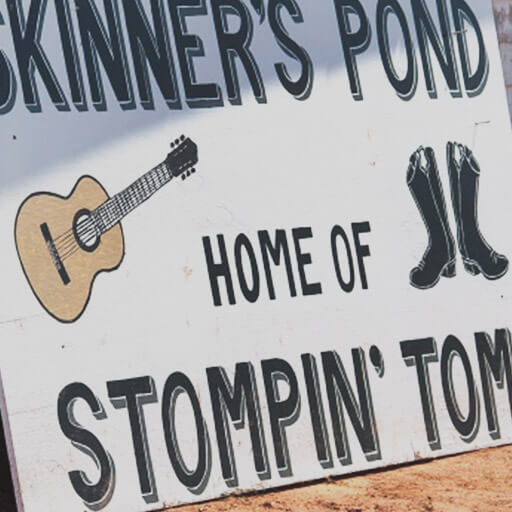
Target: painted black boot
[[477, 255], [426, 189]]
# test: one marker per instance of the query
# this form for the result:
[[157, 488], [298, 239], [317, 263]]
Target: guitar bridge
[[54, 254]]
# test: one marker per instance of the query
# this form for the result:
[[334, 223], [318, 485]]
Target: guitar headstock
[[182, 158]]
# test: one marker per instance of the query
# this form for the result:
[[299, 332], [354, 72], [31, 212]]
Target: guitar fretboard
[[112, 211]]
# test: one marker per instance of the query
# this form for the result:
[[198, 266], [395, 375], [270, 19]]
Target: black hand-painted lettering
[[494, 359], [151, 47], [95, 495], [189, 46], [474, 82], [317, 413], [405, 87], [304, 259], [243, 245], [234, 401], [237, 45], [362, 251], [467, 426], [282, 412], [354, 42], [97, 45], [26, 34], [133, 394], [441, 44], [420, 353], [194, 479], [70, 51], [341, 396], [301, 87], [218, 270], [277, 250]]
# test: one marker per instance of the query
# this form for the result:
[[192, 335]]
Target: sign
[[248, 244]]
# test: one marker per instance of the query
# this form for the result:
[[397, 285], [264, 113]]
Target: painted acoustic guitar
[[64, 242]]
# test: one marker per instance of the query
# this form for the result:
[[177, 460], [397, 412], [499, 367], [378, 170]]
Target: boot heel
[[450, 270], [471, 268]]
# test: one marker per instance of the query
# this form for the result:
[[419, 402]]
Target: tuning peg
[[182, 138], [177, 141], [172, 145], [188, 173], [193, 170], [183, 176]]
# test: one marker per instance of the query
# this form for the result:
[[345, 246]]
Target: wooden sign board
[[248, 243]]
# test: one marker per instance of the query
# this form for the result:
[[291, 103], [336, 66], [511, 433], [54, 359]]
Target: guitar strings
[[70, 242], [114, 209], [74, 247], [124, 203], [71, 249], [70, 235], [67, 234]]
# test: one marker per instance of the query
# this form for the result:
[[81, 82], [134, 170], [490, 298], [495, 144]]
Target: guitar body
[[64, 242], [58, 249]]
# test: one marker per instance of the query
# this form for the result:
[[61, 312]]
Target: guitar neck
[[116, 208]]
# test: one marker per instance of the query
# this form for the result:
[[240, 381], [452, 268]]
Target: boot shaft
[[464, 173], [477, 254], [426, 188]]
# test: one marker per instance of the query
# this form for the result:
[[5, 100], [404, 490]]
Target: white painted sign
[[310, 281]]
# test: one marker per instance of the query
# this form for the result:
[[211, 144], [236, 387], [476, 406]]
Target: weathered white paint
[[286, 164]]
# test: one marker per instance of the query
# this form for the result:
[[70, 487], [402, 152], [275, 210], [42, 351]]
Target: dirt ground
[[475, 482]]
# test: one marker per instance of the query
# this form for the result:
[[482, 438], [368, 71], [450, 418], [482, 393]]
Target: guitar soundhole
[[85, 231]]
